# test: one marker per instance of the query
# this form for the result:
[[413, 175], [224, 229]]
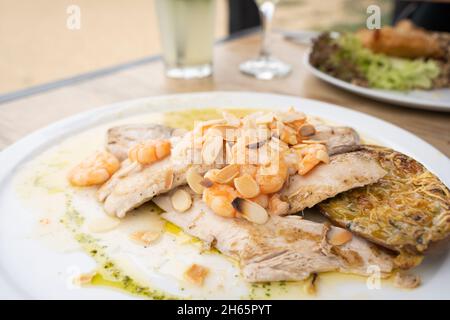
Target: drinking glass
[[187, 36], [265, 66]]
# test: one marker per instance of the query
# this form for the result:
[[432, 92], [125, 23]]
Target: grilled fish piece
[[344, 172], [406, 210], [283, 249], [134, 184], [120, 139]]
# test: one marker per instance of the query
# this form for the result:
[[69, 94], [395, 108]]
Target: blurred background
[[36, 47]]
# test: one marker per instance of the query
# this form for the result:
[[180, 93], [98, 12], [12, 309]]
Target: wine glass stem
[[266, 11]]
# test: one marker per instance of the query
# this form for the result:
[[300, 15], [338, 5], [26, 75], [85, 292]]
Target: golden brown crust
[[404, 211], [404, 40]]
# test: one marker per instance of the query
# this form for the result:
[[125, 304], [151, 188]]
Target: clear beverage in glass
[[187, 36]]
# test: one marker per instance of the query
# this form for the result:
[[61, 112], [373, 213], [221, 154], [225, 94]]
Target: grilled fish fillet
[[406, 210], [120, 139], [135, 184], [344, 172], [283, 249]]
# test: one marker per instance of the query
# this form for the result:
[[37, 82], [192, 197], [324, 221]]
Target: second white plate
[[438, 99]]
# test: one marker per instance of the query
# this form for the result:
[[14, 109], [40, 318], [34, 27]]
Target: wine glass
[[265, 66]]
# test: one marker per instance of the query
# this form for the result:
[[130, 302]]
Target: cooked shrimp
[[271, 178], [219, 198], [149, 151], [94, 170]]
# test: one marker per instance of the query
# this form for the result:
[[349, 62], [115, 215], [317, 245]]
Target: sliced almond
[[168, 180], [196, 274], [84, 278], [211, 175], [163, 202], [207, 183], [194, 180], [278, 145], [231, 119], [181, 200], [323, 156], [246, 186], [338, 236], [314, 141], [209, 123], [290, 116], [211, 149], [251, 211], [226, 174], [288, 136], [214, 131], [103, 224], [300, 146], [228, 133], [307, 130], [145, 238], [265, 118]]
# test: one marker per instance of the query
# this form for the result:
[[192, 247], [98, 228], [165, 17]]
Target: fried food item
[[404, 40], [406, 210]]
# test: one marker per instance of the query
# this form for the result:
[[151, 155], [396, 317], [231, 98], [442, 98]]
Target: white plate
[[30, 270], [438, 99]]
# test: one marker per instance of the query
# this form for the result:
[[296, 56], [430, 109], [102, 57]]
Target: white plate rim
[[13, 156], [380, 95]]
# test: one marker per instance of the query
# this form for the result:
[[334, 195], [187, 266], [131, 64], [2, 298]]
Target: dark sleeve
[[432, 16], [243, 15]]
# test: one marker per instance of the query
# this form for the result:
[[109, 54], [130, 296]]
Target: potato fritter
[[405, 211]]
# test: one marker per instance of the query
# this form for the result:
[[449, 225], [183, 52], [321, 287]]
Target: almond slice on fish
[[209, 123], [338, 236], [103, 224], [265, 118], [168, 181], [231, 119], [251, 211], [307, 130], [163, 202], [181, 200], [194, 180], [226, 174], [196, 274], [290, 116], [246, 186], [145, 238], [228, 133], [207, 183], [211, 149], [323, 156], [314, 141]]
